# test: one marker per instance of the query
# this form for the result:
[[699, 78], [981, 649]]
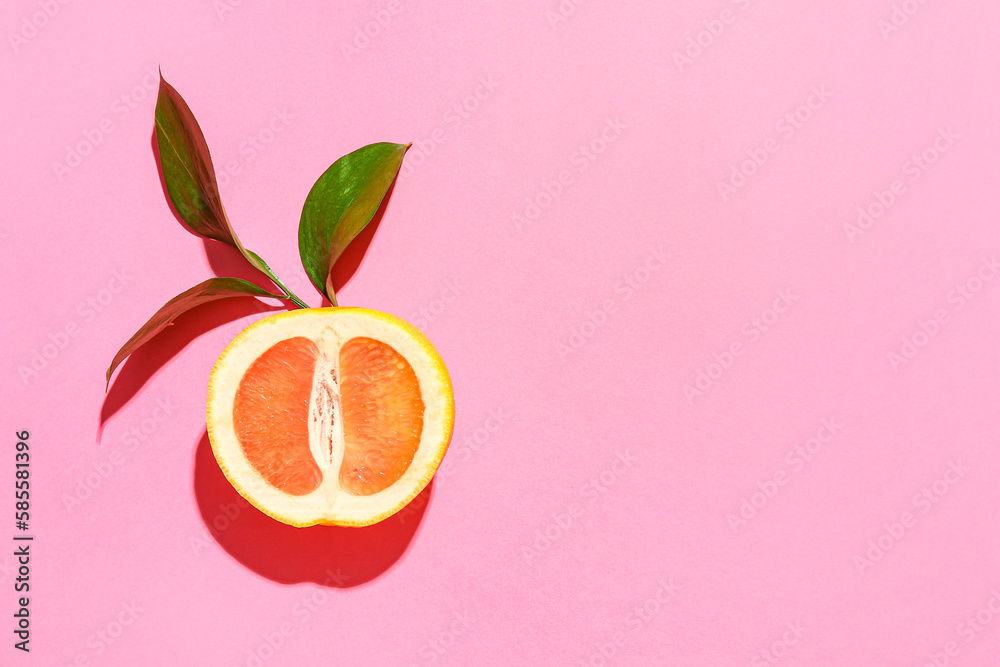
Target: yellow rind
[[440, 449]]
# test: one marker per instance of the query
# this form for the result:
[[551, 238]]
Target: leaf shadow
[[334, 556], [146, 361], [225, 260], [350, 260]]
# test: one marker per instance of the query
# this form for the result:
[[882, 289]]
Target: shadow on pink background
[[326, 555]]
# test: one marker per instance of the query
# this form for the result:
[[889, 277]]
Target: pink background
[[819, 501]]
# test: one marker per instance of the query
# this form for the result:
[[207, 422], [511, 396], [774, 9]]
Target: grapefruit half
[[330, 415]]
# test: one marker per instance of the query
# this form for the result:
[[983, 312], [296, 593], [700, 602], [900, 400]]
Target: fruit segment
[[271, 412], [383, 415]]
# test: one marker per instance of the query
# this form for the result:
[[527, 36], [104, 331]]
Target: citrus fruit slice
[[330, 415]]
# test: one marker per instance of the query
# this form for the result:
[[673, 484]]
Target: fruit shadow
[[334, 556]]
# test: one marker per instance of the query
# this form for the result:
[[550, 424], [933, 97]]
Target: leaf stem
[[297, 301], [258, 263], [294, 299]]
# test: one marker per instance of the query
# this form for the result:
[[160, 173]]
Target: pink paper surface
[[716, 282]]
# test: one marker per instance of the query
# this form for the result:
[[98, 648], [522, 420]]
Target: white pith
[[330, 328], [326, 428]]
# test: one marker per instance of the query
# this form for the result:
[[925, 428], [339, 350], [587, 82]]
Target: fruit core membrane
[[381, 413]]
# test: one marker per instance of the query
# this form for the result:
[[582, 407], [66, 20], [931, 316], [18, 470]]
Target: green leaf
[[210, 290], [341, 204], [190, 177]]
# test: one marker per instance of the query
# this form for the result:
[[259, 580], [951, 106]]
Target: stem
[[296, 300], [277, 281], [331, 294], [258, 263]]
